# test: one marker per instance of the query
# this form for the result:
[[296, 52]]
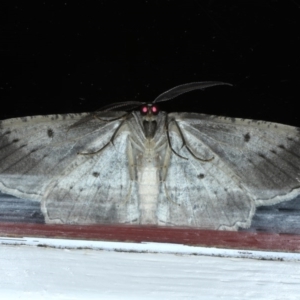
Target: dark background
[[76, 56]]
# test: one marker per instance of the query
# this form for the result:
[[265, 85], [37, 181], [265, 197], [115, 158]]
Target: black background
[[74, 56]]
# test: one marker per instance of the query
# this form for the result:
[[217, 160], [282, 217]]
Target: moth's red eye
[[144, 110], [154, 110]]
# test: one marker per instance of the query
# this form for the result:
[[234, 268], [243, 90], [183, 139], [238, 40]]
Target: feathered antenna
[[184, 88]]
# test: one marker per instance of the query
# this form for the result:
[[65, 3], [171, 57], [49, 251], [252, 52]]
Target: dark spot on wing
[[15, 140], [7, 132], [281, 146], [200, 176], [96, 174], [50, 133], [71, 187], [81, 190], [196, 206], [33, 150], [273, 151], [261, 155], [247, 137]]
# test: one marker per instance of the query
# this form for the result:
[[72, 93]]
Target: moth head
[[149, 111]]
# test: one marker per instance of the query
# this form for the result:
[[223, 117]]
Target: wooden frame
[[209, 238]]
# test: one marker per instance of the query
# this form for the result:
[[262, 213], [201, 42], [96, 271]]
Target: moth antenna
[[114, 119], [113, 106], [131, 105], [184, 88]]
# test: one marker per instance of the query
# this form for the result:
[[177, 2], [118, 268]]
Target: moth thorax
[[149, 128]]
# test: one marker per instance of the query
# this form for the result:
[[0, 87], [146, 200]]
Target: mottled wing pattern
[[40, 161], [255, 163]]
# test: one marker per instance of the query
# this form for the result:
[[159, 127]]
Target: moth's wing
[[255, 163], [201, 194], [40, 160]]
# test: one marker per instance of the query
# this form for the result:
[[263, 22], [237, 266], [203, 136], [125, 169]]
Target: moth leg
[[168, 196], [131, 161], [131, 168], [165, 166], [167, 123], [164, 173], [184, 143], [128, 195], [111, 140]]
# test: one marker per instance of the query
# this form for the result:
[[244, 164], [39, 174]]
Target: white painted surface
[[150, 248], [29, 272]]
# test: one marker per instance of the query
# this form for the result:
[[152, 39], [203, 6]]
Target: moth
[[148, 167]]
